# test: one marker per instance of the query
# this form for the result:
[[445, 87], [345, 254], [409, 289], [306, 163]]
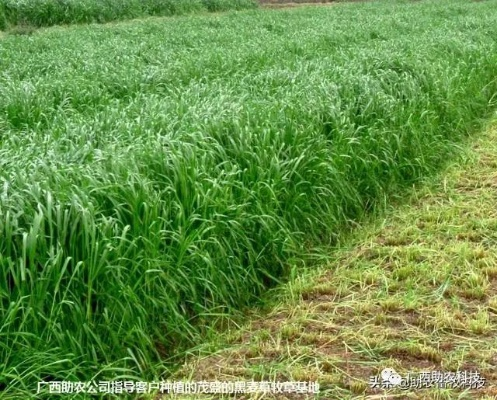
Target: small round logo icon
[[395, 379], [389, 375]]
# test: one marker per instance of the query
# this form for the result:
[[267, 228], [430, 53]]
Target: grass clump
[[157, 175], [3, 18], [56, 12], [225, 5]]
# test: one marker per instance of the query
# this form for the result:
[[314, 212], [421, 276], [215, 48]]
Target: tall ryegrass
[[159, 174], [3, 18], [56, 12]]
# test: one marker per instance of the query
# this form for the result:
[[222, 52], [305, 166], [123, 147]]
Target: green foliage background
[[56, 12], [155, 175]]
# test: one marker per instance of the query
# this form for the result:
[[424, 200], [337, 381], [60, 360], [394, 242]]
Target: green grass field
[[37, 13], [156, 175]]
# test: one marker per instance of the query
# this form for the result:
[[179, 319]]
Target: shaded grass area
[[416, 292], [38, 13], [160, 174], [303, 2]]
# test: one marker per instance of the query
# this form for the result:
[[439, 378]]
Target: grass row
[[159, 174], [415, 290], [40, 13]]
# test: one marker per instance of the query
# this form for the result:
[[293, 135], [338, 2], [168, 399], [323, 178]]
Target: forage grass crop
[[3, 18], [56, 12], [155, 175]]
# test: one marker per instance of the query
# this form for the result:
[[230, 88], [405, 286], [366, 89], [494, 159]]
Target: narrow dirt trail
[[415, 292]]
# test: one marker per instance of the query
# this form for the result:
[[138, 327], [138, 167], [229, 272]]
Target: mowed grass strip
[[157, 175], [416, 292]]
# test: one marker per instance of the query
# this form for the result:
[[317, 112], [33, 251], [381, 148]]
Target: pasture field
[[157, 175], [39, 13]]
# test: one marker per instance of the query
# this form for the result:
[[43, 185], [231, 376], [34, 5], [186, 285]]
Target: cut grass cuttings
[[159, 174], [56, 12]]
